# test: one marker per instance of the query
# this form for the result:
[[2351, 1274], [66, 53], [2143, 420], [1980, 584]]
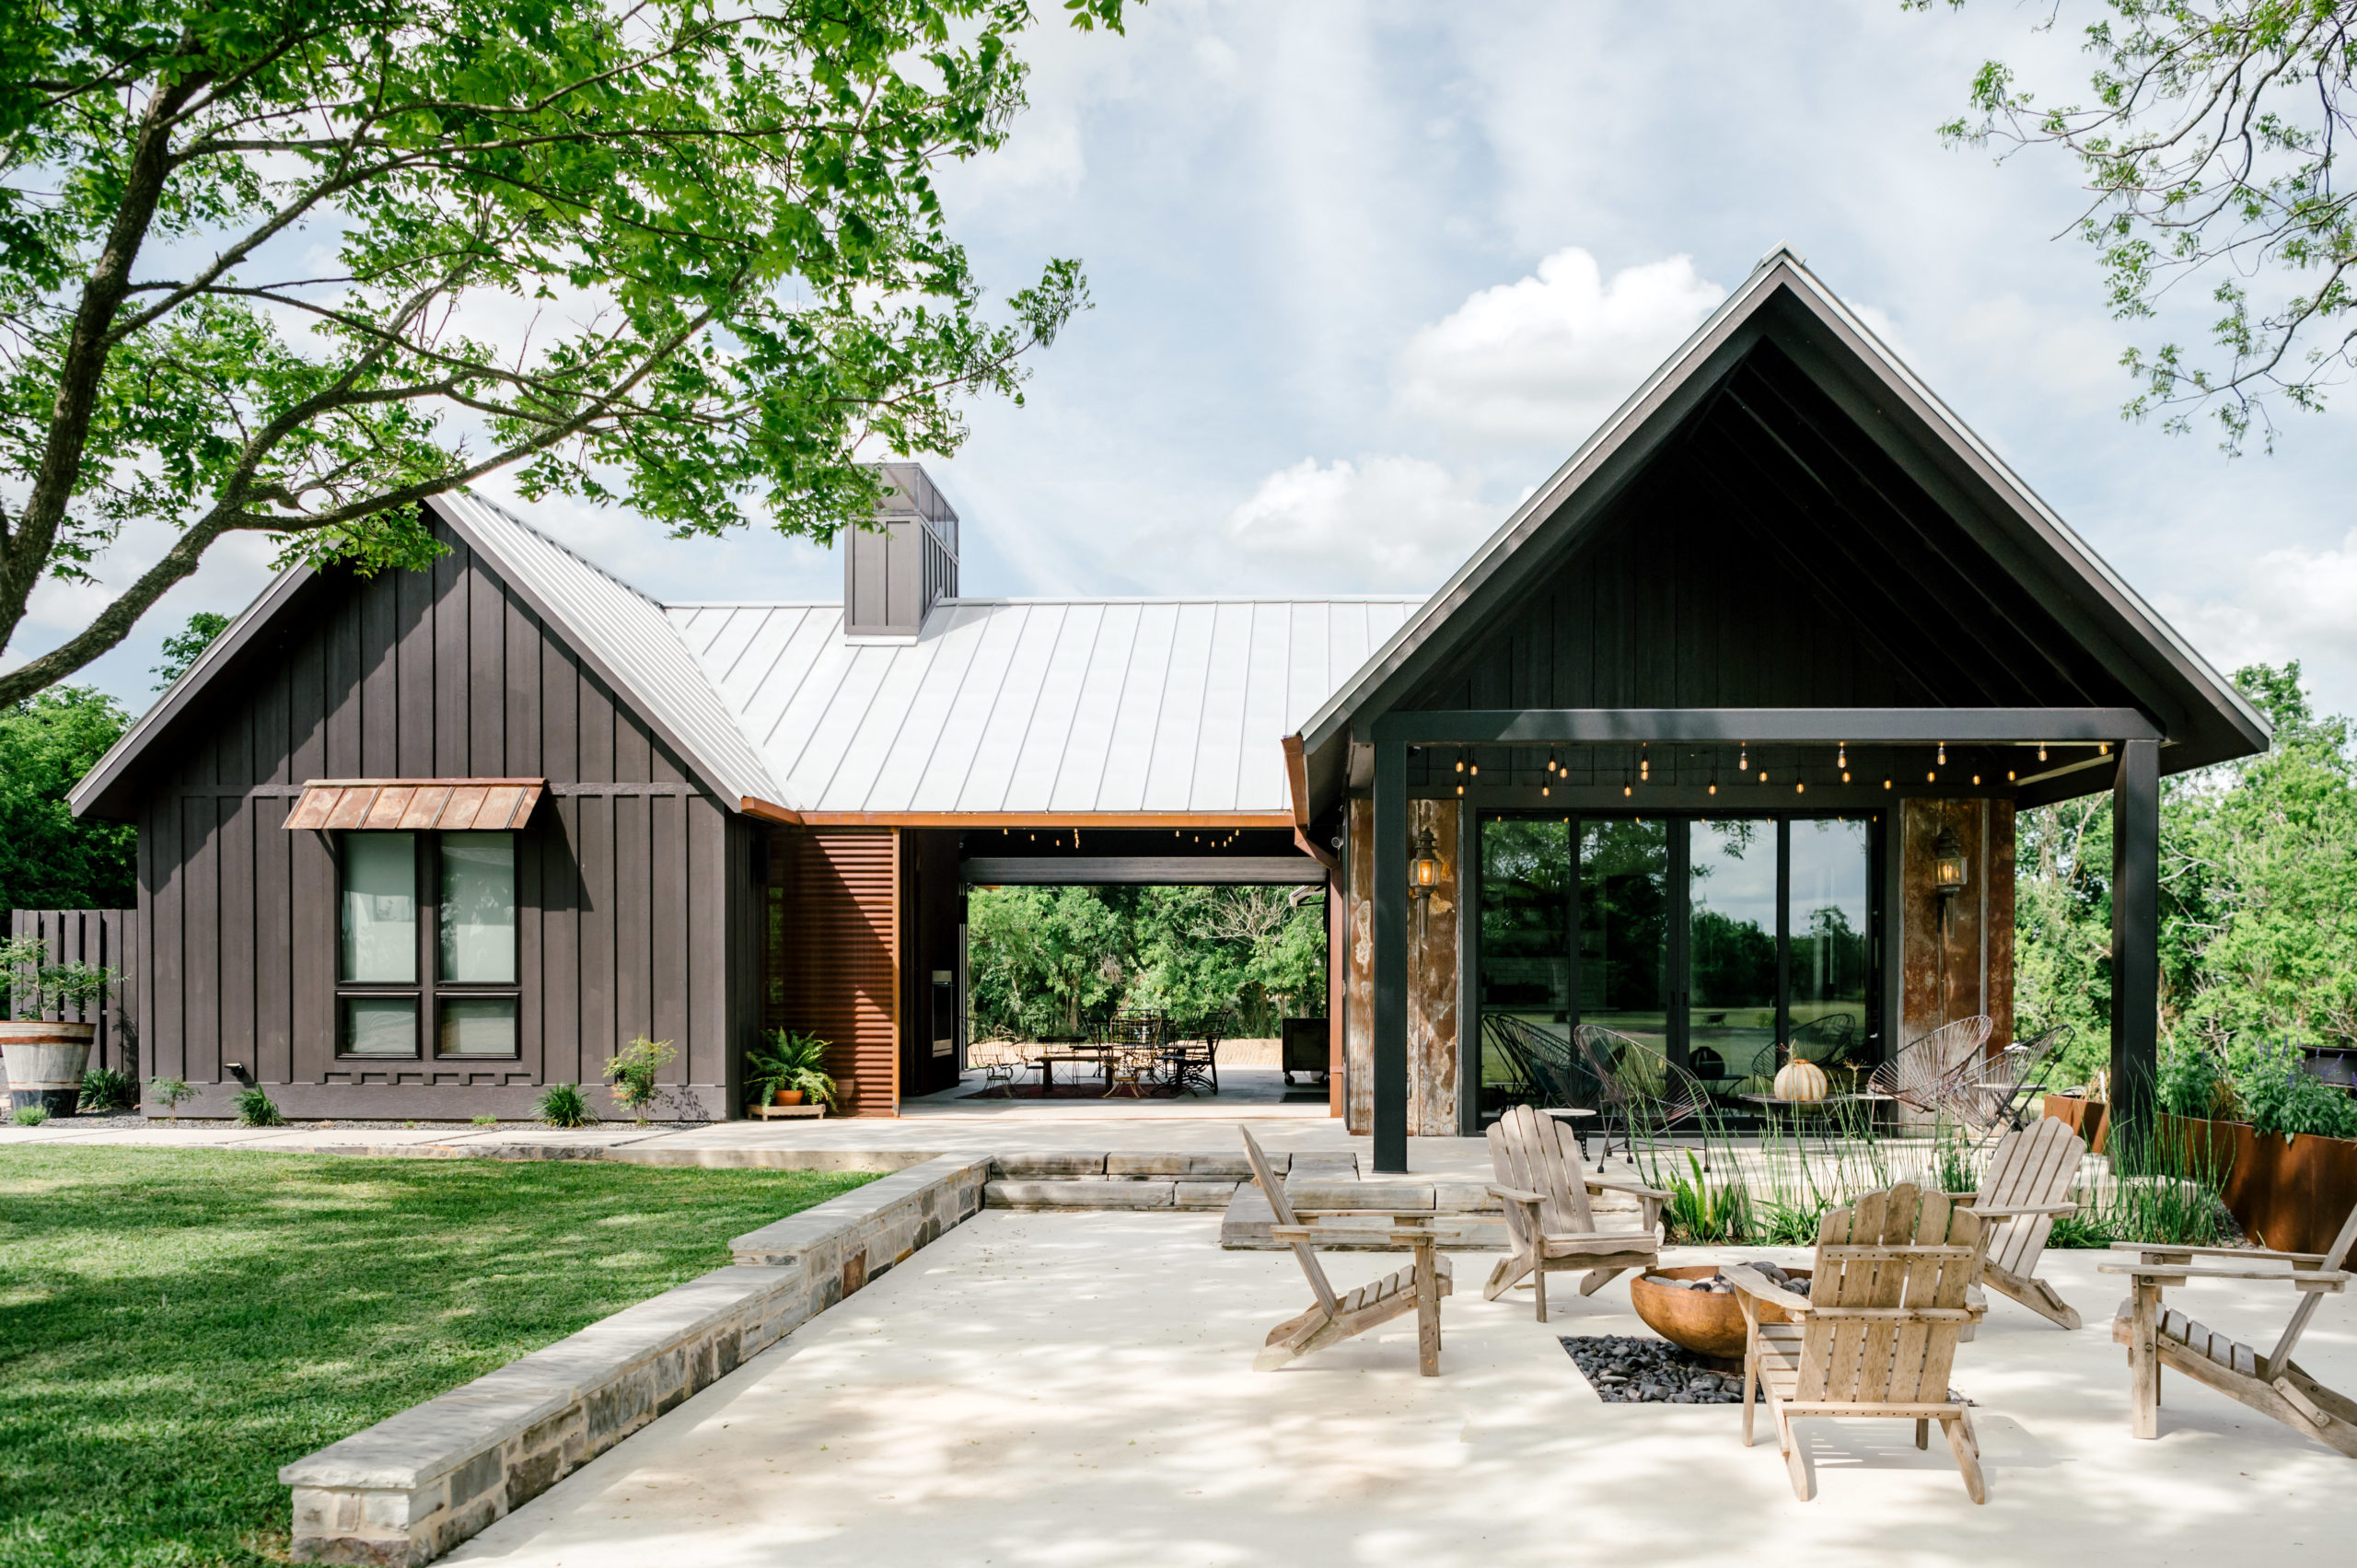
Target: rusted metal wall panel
[[1963, 965], [834, 942], [1432, 986]]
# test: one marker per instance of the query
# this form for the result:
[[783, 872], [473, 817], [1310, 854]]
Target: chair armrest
[[1752, 1282], [2015, 1211], [2219, 1251], [1597, 1184], [2328, 1281], [1516, 1195]]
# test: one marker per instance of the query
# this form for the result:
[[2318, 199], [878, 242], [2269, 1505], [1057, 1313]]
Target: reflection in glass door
[[1828, 918], [1624, 915], [1731, 949], [1708, 940]]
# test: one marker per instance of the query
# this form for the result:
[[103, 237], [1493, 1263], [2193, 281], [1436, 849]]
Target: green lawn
[[175, 1326]]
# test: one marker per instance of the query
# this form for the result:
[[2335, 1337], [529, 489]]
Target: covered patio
[[1723, 732]]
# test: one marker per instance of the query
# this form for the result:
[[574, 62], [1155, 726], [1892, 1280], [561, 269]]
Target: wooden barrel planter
[[45, 1062]]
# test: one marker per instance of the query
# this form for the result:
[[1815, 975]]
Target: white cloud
[[1389, 522], [2292, 603], [1546, 358]]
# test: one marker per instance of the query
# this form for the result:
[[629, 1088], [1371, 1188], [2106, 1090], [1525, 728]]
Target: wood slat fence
[[106, 939]]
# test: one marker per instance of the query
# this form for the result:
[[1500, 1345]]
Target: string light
[[1845, 775], [1886, 784], [1460, 759], [1840, 754], [1743, 757], [1644, 766], [1928, 778], [1763, 775], [2009, 775], [1944, 753], [1798, 788], [2041, 750], [1976, 778]]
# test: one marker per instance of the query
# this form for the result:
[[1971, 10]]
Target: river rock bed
[[1628, 1370]]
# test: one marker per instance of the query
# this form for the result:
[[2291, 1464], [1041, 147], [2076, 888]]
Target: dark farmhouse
[[1679, 747]]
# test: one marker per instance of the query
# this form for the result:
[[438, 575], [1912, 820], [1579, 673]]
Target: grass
[[174, 1326]]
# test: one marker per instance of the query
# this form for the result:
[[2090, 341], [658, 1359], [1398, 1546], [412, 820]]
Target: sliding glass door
[[1708, 938]]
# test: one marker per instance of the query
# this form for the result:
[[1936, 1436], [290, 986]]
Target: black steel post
[[1390, 874], [2135, 928]]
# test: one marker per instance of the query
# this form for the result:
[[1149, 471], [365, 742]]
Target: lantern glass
[[1424, 872], [1947, 862]]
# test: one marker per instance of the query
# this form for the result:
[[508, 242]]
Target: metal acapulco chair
[[1546, 1063], [1926, 1074], [1992, 1094], [1622, 1068]]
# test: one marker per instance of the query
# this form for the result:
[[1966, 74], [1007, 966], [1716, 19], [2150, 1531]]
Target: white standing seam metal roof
[[1035, 706]]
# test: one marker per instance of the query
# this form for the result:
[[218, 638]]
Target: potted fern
[[789, 1068], [46, 1058]]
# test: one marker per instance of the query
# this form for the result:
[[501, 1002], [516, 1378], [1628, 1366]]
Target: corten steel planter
[[2291, 1195], [1705, 1323], [45, 1062], [2090, 1119]]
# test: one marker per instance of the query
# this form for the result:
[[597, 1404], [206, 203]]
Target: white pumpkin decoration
[[1801, 1080]]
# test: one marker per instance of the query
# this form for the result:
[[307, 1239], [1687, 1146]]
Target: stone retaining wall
[[414, 1485]]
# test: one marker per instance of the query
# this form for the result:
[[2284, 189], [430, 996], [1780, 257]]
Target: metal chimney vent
[[896, 571]]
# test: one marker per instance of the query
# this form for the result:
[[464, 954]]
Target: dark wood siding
[[834, 951], [626, 874]]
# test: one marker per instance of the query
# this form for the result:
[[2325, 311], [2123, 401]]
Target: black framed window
[[427, 931]]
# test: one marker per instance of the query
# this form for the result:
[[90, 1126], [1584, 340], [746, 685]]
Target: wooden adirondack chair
[[1333, 1317], [1877, 1335], [1548, 1222], [2028, 1186], [2273, 1384]]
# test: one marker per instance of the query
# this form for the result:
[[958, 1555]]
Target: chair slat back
[[1526, 1151], [2036, 1166], [1888, 1361], [1279, 1206]]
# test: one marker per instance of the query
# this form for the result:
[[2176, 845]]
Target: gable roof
[[1783, 302], [1102, 708], [1038, 706]]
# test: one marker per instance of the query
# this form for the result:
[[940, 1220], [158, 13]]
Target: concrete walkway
[[1074, 1390]]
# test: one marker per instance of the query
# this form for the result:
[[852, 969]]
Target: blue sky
[[1365, 273]]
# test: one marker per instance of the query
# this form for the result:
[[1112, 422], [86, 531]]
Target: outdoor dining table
[[1102, 1056]]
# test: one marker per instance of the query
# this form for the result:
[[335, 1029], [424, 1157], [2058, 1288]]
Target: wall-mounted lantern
[[1949, 871], [1424, 871]]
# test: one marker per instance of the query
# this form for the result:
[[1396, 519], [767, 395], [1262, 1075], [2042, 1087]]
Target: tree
[[292, 266], [181, 648], [48, 860], [2208, 143]]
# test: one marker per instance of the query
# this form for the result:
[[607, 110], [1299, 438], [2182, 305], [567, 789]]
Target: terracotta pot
[[45, 1062], [786, 1097], [1705, 1323]]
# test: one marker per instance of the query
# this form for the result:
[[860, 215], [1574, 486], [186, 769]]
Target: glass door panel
[[1731, 951], [1623, 973], [1524, 946], [1828, 916]]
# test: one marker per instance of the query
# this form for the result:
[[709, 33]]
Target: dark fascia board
[[99, 792], [103, 790], [1162, 870], [1581, 489]]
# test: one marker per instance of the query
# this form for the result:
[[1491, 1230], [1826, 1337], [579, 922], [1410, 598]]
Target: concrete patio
[[1076, 1390]]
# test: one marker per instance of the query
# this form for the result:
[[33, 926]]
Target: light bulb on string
[[1742, 757], [2041, 750], [1840, 754], [1944, 753]]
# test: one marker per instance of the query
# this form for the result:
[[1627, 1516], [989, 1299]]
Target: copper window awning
[[414, 805]]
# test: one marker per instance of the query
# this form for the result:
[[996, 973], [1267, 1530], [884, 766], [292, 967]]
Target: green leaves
[[289, 268], [2207, 148]]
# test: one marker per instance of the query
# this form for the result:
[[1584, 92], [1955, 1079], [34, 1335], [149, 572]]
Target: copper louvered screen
[[412, 806], [839, 949]]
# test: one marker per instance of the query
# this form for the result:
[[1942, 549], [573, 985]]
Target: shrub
[[2189, 1080], [634, 1070], [105, 1088], [31, 1115], [486, 1121], [564, 1105], [171, 1093], [1700, 1213], [2278, 1094], [256, 1108], [2079, 1230]]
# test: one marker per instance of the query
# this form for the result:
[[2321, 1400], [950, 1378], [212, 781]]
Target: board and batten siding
[[834, 937], [626, 874]]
